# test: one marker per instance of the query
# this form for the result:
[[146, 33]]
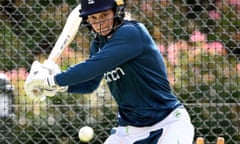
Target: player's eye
[[99, 18], [105, 15]]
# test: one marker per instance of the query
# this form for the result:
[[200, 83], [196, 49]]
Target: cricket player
[[126, 56]]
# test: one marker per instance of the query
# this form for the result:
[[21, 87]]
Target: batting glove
[[51, 87], [51, 66], [34, 83], [40, 81]]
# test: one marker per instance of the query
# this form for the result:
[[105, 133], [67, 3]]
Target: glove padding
[[50, 85], [37, 85], [33, 85], [52, 67]]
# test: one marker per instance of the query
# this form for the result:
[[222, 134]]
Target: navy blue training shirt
[[134, 70]]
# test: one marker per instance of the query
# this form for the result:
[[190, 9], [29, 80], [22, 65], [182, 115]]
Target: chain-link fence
[[199, 39]]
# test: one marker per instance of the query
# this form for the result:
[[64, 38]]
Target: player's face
[[102, 22]]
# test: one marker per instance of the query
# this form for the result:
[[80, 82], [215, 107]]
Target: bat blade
[[67, 35]]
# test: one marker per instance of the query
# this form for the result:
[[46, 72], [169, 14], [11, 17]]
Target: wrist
[[50, 81]]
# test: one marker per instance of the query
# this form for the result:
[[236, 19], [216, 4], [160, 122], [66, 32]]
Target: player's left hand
[[50, 85], [33, 85]]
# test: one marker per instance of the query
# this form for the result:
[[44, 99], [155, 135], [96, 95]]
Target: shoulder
[[131, 25], [130, 30]]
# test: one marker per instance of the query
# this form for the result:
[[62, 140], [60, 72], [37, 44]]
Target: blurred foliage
[[200, 68], [29, 29], [204, 77], [169, 21]]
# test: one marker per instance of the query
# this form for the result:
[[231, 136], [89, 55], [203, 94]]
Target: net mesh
[[199, 40]]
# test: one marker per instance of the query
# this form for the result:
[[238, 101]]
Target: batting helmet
[[94, 6]]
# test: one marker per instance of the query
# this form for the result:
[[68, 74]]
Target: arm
[[86, 87], [120, 48]]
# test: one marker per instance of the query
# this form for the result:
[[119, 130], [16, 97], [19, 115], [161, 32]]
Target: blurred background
[[200, 43]]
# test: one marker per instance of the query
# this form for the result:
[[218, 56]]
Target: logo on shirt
[[91, 2], [177, 113], [114, 74], [119, 2]]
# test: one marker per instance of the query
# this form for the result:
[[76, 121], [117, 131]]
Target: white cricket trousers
[[176, 129]]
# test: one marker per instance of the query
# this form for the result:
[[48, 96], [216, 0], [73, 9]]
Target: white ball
[[85, 134]]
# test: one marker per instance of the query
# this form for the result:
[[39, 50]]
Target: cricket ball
[[86, 134]]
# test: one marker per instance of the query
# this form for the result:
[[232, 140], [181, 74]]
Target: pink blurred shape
[[161, 48], [238, 67], [197, 36], [216, 48], [214, 15], [174, 49], [16, 74], [234, 2]]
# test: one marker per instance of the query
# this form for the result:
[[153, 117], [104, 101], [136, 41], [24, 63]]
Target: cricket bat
[[67, 35]]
